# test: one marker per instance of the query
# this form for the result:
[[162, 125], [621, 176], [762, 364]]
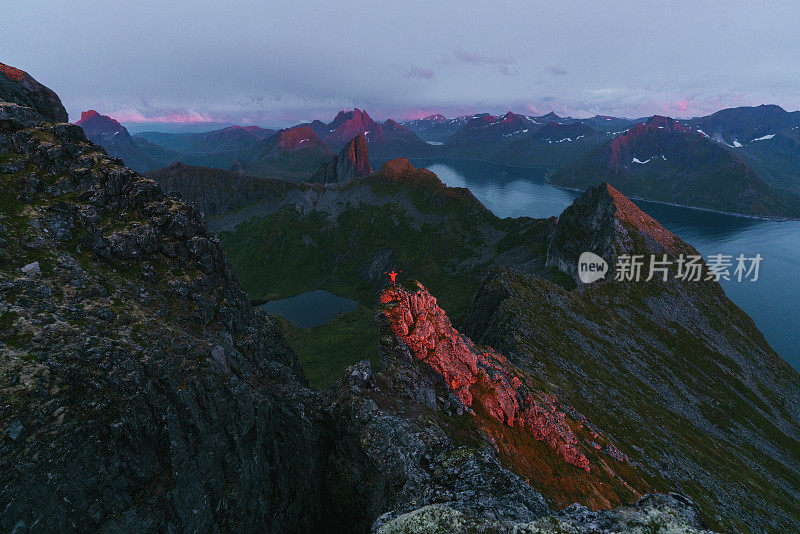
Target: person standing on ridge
[[393, 277]]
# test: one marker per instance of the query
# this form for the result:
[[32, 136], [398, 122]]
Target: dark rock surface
[[216, 191], [606, 223], [19, 87], [352, 162]]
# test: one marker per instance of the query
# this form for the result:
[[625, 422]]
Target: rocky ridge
[[142, 392]]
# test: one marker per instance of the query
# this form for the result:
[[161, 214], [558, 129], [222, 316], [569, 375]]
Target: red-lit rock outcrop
[[352, 162], [481, 378], [19, 87]]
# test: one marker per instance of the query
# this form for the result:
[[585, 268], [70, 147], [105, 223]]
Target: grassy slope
[[623, 382], [287, 252], [325, 350]]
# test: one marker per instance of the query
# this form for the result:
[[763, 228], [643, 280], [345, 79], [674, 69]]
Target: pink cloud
[[178, 117]]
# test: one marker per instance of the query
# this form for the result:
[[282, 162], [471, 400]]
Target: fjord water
[[773, 301]]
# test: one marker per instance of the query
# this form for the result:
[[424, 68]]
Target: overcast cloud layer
[[279, 63]]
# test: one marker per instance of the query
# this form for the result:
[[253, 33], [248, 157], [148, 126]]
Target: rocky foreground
[[142, 392]]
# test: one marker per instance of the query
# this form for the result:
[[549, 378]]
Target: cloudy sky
[[276, 63]]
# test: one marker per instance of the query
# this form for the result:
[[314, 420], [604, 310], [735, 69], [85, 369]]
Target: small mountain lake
[[773, 301], [310, 309]]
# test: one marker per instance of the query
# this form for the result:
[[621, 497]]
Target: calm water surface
[[310, 309], [773, 301]]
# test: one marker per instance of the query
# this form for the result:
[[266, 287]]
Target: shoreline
[[772, 218]]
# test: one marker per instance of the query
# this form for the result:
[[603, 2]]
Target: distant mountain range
[[758, 146], [142, 391], [668, 161], [112, 136], [767, 137]]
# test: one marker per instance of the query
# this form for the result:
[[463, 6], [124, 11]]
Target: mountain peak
[[396, 167], [90, 114], [93, 123], [348, 124], [352, 162], [667, 123], [438, 117], [293, 139], [604, 221], [19, 87]]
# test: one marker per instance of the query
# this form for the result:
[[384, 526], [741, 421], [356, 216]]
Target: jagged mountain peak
[[352, 162], [394, 125], [604, 221], [89, 114], [94, 123]]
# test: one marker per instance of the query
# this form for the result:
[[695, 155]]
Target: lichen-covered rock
[[668, 514], [141, 391]]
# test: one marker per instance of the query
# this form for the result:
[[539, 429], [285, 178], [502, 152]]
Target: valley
[[490, 390]]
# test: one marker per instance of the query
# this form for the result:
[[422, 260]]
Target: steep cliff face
[[352, 162], [509, 406], [141, 391], [215, 191], [19, 87], [680, 376], [606, 223]]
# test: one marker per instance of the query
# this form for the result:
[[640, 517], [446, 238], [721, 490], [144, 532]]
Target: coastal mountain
[[352, 162], [398, 141], [767, 137], [485, 133], [667, 161], [436, 128], [348, 124], [386, 140], [548, 141], [744, 125], [293, 153], [706, 371], [142, 392], [111, 135]]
